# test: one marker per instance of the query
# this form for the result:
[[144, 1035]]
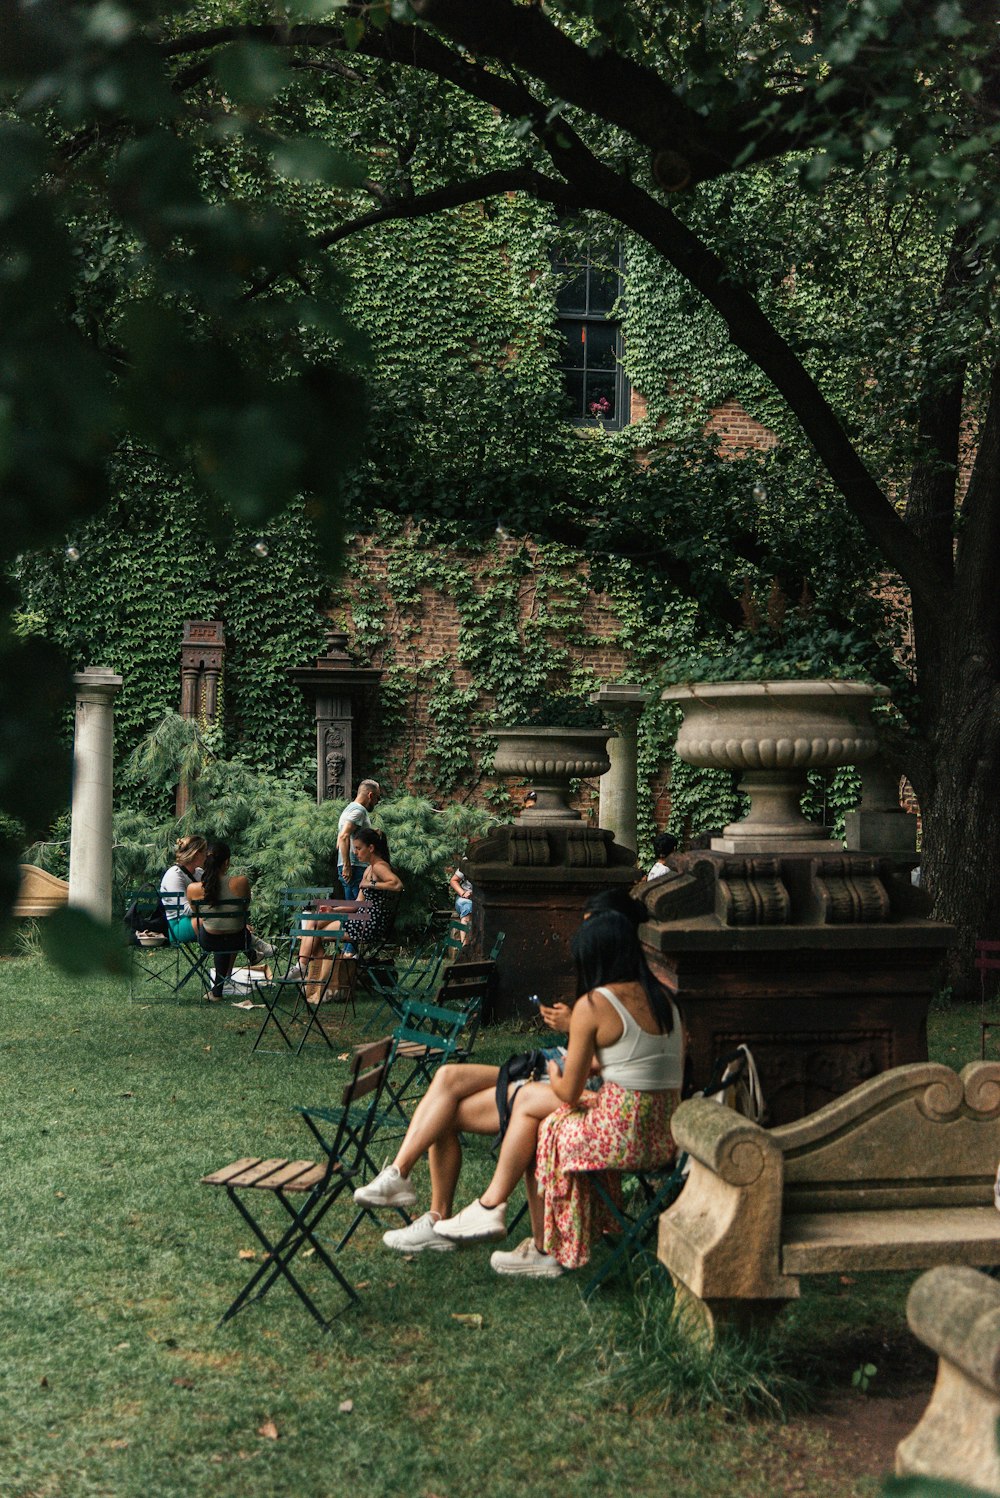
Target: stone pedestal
[[622, 705], [821, 962], [531, 880], [93, 762], [880, 825], [336, 685]]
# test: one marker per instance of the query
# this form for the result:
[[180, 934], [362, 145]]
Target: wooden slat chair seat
[[305, 1189]]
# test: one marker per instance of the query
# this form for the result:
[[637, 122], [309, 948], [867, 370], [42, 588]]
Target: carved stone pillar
[[337, 687], [203, 652], [93, 771], [622, 706], [530, 880]]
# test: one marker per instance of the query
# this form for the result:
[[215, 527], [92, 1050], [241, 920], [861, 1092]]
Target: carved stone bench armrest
[[725, 1143], [722, 1236]]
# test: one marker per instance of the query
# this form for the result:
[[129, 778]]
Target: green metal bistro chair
[[306, 1190], [425, 1038], [419, 979], [296, 997], [233, 914], [145, 930]]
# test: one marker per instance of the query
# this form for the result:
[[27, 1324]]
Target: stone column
[[622, 706], [93, 760]]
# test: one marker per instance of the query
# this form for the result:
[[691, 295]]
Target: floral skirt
[[611, 1129]]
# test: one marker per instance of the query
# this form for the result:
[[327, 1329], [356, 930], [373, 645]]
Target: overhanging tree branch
[[476, 189]]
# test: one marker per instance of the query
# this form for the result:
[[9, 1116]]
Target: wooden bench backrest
[[917, 1136]]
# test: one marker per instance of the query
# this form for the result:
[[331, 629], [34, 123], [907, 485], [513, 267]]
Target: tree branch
[[476, 189]]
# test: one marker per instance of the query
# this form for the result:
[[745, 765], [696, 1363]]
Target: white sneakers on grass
[[526, 1259], [387, 1189], [417, 1237], [475, 1224]]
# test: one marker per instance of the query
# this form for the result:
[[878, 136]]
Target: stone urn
[[550, 758], [773, 732]]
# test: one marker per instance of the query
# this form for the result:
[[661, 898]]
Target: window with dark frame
[[587, 298]]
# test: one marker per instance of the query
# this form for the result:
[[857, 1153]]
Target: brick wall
[[429, 633]]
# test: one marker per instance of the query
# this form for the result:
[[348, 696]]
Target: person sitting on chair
[[189, 854], [460, 1100], [461, 887], [624, 1022], [223, 932], [368, 918]]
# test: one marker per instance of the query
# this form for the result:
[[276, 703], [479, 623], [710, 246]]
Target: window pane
[[601, 345], [600, 396], [573, 351], [572, 293], [603, 288], [573, 386]]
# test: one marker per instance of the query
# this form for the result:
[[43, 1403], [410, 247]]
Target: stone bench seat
[[897, 1174], [911, 1237]]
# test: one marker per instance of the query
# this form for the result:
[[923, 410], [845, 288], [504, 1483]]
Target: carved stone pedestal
[[822, 962], [531, 880]]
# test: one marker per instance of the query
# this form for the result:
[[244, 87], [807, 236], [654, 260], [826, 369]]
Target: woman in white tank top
[[624, 1025]]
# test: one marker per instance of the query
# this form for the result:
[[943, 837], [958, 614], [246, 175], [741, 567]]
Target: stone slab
[[913, 1238]]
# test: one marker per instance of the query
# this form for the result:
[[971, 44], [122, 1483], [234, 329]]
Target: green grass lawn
[[117, 1265]]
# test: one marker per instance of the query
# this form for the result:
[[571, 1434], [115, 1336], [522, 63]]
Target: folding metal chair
[[427, 1036], [306, 1190], [151, 958], [202, 954], [466, 986], [418, 979], [296, 997]]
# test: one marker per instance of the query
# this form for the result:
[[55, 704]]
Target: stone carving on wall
[[334, 765]]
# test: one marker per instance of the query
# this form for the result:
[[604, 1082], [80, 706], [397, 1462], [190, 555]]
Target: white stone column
[[93, 762], [622, 704]]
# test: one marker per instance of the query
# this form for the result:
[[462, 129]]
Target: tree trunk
[[960, 807]]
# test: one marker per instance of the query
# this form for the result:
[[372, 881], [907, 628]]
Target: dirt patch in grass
[[859, 1432]]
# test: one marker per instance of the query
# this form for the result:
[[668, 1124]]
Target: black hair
[[664, 843], [217, 855], [372, 838], [621, 902], [606, 950]]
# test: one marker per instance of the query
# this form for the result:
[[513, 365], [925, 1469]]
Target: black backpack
[[144, 912]]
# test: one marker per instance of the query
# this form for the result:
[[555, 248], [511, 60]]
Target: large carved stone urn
[[551, 758], [774, 732], [532, 876]]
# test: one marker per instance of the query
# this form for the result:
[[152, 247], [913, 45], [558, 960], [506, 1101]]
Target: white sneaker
[[475, 1224], [388, 1189], [260, 948], [526, 1259], [417, 1236]]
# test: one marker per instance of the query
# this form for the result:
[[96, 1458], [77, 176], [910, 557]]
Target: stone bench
[[956, 1313], [897, 1174]]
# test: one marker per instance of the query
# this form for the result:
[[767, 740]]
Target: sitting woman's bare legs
[[516, 1160], [450, 1104]]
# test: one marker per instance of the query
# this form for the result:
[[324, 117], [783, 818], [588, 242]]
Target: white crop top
[[640, 1061]]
